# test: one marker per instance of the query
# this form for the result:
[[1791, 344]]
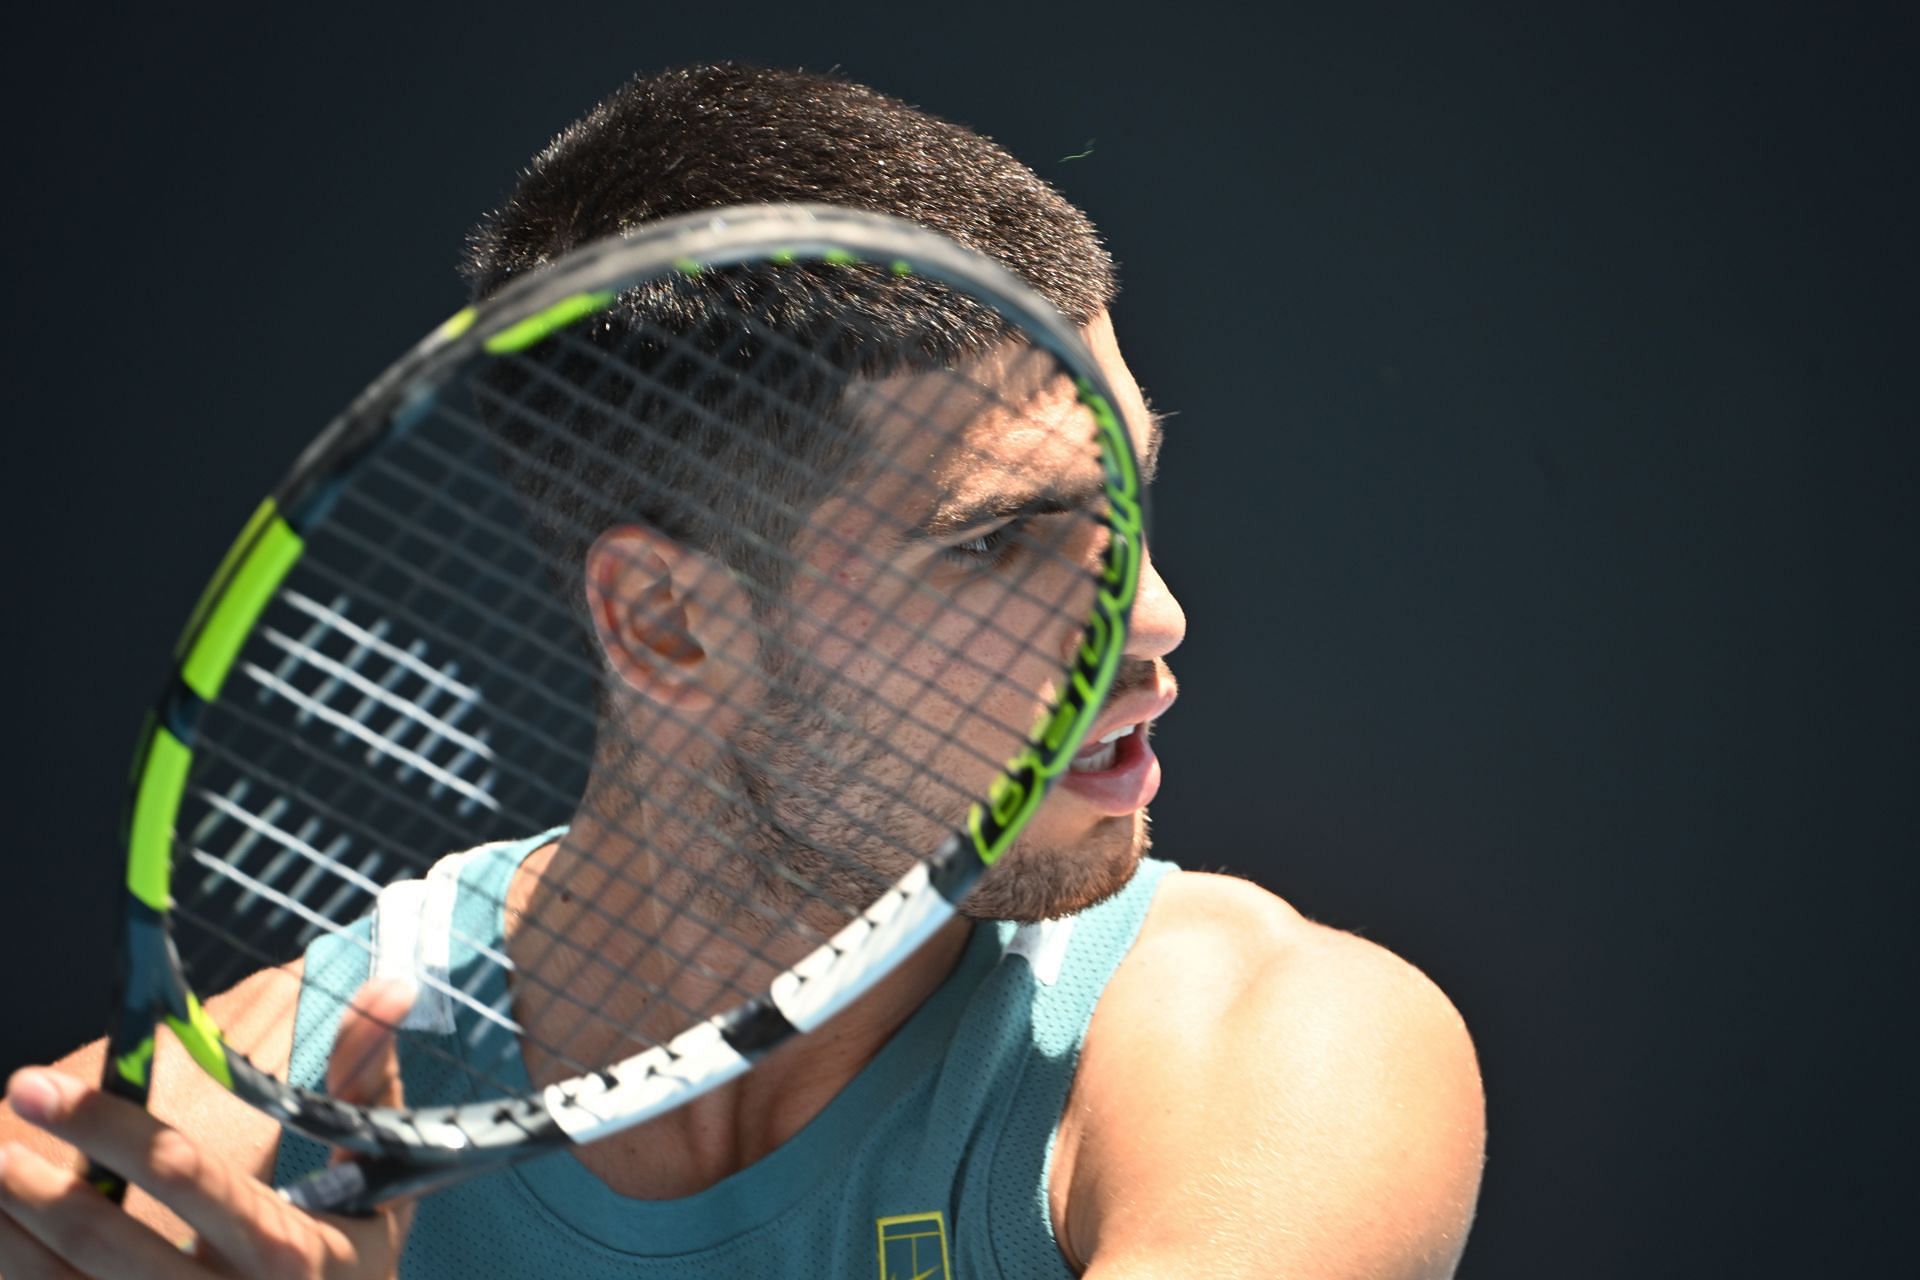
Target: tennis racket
[[772, 561]]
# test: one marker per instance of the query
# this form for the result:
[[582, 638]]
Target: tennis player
[[1110, 1068]]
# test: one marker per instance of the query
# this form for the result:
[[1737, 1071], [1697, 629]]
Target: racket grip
[[355, 1188], [106, 1182], [98, 1176], [126, 1073], [338, 1188]]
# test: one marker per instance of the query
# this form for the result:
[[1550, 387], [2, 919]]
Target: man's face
[[938, 599]]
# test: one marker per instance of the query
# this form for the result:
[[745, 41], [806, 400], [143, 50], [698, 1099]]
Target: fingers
[[24, 1258], [236, 1216], [364, 1068], [53, 1225], [56, 1226]]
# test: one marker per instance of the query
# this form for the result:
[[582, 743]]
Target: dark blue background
[[1541, 493]]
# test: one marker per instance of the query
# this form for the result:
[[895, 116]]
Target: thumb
[[365, 1070], [365, 1067]]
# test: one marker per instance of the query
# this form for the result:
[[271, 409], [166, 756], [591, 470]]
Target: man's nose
[[1159, 624]]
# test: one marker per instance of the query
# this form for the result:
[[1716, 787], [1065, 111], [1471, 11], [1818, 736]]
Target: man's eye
[[988, 550]]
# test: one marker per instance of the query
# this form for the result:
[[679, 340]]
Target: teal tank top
[[931, 1164]]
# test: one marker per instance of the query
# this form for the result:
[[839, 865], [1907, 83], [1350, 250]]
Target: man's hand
[[53, 1226]]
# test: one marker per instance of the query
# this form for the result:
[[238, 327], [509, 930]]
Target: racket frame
[[406, 1151]]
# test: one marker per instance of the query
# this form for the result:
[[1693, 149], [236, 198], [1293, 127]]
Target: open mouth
[[1101, 756], [1117, 773]]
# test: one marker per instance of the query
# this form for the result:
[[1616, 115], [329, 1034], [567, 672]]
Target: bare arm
[[1272, 1097]]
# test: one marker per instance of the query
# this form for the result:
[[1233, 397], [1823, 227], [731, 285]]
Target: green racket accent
[[1122, 573], [839, 258], [261, 514], [456, 324], [1016, 793], [136, 1067], [202, 1039], [523, 334], [687, 266], [248, 587], [901, 267], [150, 834]]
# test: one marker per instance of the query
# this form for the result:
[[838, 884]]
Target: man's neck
[[587, 981]]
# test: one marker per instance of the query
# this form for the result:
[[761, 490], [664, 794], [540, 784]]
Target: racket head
[[890, 587]]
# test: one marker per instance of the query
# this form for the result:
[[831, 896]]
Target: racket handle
[[355, 1188], [338, 1188], [126, 1073], [98, 1176], [106, 1182]]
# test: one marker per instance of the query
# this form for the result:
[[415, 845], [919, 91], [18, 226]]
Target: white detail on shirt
[[412, 939], [1044, 947]]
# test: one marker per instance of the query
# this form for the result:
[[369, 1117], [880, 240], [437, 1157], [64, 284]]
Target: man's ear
[[672, 622]]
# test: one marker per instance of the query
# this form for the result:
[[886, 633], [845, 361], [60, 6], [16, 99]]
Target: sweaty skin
[[1257, 1094]]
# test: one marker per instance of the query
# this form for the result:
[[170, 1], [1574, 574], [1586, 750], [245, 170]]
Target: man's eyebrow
[[1053, 500], [1156, 436], [996, 508]]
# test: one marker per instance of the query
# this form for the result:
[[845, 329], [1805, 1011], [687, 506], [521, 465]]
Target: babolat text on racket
[[745, 581]]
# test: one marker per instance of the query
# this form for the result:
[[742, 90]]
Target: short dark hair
[[703, 137], [709, 136]]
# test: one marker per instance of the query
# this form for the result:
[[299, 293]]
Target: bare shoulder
[[1228, 947], [256, 1016], [1259, 1089]]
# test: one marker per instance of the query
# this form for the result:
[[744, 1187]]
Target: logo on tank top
[[913, 1246]]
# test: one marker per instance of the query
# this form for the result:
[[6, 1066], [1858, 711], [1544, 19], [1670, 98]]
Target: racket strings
[[905, 707], [532, 731], [989, 626], [431, 1046], [610, 366], [563, 1050], [752, 384], [374, 834], [957, 655], [949, 735], [815, 572], [744, 958], [534, 778], [449, 552], [777, 341], [831, 627], [329, 920], [368, 886]]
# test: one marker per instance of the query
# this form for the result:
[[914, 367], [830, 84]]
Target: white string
[[353, 631], [368, 736], [438, 730], [321, 922]]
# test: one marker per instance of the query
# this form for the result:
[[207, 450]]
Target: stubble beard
[[827, 817]]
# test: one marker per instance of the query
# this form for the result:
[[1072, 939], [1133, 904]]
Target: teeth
[[1100, 757], [1099, 760]]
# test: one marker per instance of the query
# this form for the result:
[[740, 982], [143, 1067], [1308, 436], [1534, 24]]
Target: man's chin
[[1036, 881]]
